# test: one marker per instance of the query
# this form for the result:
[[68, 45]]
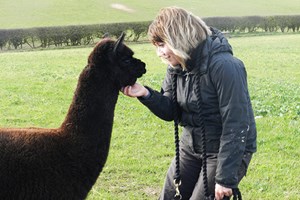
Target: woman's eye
[[160, 44]]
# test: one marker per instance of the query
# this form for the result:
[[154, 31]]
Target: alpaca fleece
[[64, 163]]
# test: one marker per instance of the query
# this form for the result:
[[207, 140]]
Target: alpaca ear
[[118, 43]]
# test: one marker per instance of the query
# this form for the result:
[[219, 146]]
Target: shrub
[[3, 38], [138, 29], [294, 24], [248, 23], [17, 37]]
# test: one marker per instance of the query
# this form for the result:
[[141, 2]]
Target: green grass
[[37, 13], [37, 87], [273, 62], [273, 69]]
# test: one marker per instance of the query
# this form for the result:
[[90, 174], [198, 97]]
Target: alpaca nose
[[143, 68]]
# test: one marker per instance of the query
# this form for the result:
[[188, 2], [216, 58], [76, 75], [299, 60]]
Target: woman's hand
[[221, 191], [136, 90]]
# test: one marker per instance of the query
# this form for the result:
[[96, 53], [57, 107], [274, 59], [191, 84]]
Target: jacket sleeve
[[160, 103], [230, 80]]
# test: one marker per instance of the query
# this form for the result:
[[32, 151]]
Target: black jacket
[[226, 107]]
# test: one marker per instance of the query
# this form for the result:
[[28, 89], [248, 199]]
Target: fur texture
[[64, 163]]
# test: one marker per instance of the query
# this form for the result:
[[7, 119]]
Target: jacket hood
[[200, 57]]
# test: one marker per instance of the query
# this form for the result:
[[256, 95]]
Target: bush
[[249, 23], [294, 24], [17, 37], [138, 29], [3, 38], [225, 24]]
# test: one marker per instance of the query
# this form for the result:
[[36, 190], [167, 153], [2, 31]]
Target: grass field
[[37, 13], [37, 87]]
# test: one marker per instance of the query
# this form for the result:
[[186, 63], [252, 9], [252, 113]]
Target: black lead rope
[[235, 191], [236, 194], [203, 140], [177, 180]]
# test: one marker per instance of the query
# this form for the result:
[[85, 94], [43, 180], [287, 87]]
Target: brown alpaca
[[64, 163]]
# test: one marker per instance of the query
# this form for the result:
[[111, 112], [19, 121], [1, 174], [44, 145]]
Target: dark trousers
[[192, 187]]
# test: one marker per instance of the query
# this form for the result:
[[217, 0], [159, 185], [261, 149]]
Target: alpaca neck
[[93, 104]]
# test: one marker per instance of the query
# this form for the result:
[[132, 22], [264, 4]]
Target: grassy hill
[[36, 13]]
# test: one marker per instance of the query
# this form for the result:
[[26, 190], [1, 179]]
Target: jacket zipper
[[187, 79], [187, 76]]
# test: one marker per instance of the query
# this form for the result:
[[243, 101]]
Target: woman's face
[[164, 52]]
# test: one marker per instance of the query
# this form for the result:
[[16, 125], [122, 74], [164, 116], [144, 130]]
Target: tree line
[[77, 35]]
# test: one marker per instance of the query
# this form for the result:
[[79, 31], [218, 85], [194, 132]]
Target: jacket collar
[[197, 58]]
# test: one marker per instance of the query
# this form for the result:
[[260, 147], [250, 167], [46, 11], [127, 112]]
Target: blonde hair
[[180, 30]]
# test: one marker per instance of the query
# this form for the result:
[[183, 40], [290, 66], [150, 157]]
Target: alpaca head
[[117, 60]]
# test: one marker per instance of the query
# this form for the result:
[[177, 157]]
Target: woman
[[211, 85]]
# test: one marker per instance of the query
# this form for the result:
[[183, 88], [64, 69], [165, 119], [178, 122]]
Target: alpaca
[[64, 163]]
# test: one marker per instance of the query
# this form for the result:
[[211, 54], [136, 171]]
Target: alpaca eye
[[126, 60]]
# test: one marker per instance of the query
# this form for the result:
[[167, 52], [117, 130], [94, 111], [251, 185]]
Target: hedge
[[76, 35]]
